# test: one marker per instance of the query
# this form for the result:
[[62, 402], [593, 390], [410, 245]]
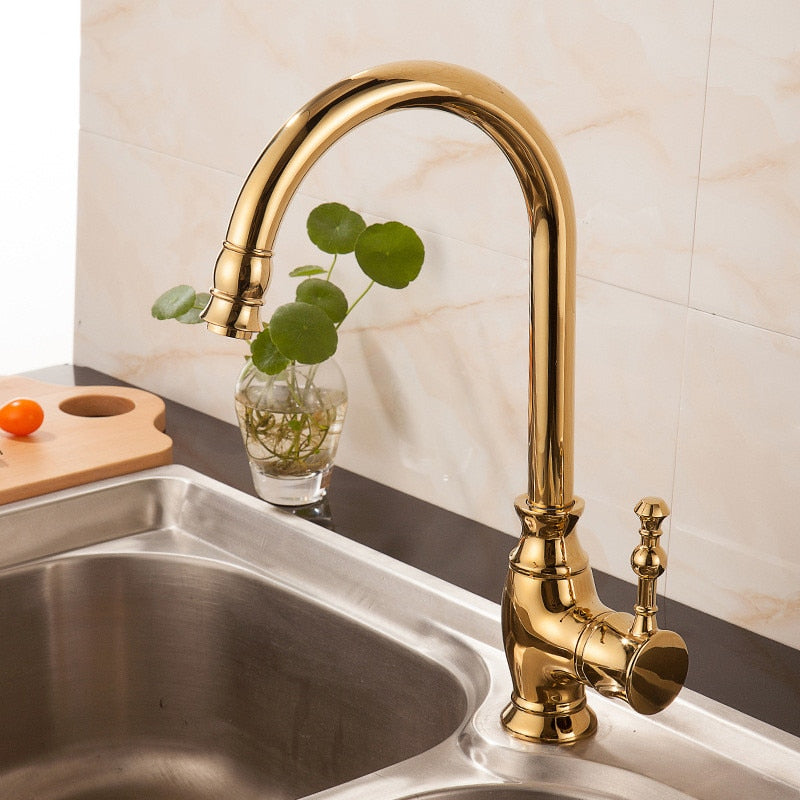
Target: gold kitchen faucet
[[558, 636]]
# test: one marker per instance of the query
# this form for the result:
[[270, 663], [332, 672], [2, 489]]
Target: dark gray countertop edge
[[730, 664]]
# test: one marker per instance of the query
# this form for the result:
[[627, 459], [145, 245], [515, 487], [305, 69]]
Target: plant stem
[[292, 434], [356, 302], [333, 264]]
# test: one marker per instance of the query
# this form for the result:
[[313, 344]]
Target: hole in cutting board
[[96, 405]]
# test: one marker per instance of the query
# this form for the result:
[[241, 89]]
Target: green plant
[[290, 426], [306, 331]]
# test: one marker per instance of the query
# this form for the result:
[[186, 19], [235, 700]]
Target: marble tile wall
[[679, 127]]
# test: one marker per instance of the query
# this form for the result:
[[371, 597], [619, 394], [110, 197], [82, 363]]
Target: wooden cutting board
[[88, 433]]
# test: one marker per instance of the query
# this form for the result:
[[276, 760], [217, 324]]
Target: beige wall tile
[[737, 469], [629, 361], [746, 586], [739, 444], [747, 260]]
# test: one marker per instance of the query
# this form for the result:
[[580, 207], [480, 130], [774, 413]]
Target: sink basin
[[232, 686], [165, 636], [156, 665]]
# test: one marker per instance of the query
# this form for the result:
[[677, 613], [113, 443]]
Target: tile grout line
[[700, 156], [688, 307], [160, 153]]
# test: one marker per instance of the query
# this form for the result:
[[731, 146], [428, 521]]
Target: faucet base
[[562, 724]]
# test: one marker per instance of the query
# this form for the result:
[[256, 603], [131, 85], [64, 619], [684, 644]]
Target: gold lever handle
[[649, 562]]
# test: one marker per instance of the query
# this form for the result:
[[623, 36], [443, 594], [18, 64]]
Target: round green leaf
[[266, 356], [303, 332], [192, 316], [201, 300], [334, 228], [174, 302], [390, 253], [310, 269], [329, 297]]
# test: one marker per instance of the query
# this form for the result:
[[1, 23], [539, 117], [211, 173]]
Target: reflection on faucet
[[558, 636]]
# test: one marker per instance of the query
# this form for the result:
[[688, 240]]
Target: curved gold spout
[[558, 636], [242, 271]]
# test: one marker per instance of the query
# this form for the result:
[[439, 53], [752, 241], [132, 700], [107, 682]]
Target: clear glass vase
[[291, 423]]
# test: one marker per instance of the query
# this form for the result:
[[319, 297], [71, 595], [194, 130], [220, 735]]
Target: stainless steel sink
[[164, 636], [196, 665]]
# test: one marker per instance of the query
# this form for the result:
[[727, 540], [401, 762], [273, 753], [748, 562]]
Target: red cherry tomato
[[21, 416]]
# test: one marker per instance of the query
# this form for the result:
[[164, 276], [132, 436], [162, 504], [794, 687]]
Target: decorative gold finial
[[648, 560]]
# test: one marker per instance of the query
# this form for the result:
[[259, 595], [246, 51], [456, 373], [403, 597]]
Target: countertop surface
[[732, 665]]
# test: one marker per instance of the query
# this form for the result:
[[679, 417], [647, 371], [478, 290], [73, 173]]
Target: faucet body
[[558, 636]]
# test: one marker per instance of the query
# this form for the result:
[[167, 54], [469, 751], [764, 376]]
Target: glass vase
[[290, 424]]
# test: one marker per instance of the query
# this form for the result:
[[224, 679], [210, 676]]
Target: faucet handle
[[648, 561]]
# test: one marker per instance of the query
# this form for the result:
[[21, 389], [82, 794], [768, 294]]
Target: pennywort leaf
[[266, 356], [329, 297], [310, 269], [390, 253], [174, 302], [334, 228], [303, 332], [192, 316]]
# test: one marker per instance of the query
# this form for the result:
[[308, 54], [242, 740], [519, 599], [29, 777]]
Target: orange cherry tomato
[[21, 416]]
